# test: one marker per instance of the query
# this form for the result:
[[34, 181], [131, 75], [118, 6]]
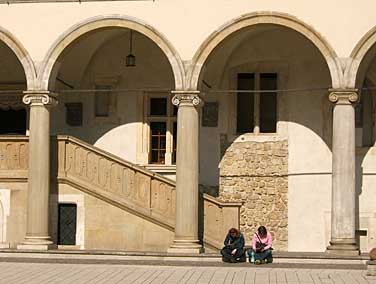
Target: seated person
[[233, 251], [261, 251]]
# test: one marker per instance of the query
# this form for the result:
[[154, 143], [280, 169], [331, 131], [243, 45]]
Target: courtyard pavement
[[39, 273]]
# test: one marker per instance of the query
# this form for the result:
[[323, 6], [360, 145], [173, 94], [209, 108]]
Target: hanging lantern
[[130, 60]]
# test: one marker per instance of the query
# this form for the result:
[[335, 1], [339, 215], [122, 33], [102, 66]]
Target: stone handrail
[[219, 217], [14, 158], [116, 181], [122, 183]]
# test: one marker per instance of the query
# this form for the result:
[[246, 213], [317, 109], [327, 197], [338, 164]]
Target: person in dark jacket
[[233, 251]]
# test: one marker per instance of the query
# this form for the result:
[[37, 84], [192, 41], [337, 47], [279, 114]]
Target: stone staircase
[[118, 182]]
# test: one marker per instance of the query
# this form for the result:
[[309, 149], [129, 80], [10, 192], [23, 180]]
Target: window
[[102, 100], [158, 142], [162, 125], [245, 103], [268, 103], [15, 122], [256, 111], [158, 106], [364, 116]]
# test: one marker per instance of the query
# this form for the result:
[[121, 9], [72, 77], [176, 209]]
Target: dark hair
[[262, 231], [234, 230]]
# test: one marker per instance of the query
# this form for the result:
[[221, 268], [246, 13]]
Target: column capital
[[191, 98], [39, 98], [343, 96]]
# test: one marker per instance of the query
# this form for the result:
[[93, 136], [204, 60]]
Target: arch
[[357, 55], [22, 55], [257, 18], [107, 22]]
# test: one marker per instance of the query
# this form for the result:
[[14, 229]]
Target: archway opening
[[365, 109], [12, 84], [266, 130], [125, 110]]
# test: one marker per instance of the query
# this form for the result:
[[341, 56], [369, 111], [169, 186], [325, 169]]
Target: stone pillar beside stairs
[[343, 174], [187, 191], [37, 233]]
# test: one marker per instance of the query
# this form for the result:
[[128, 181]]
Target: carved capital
[[39, 98], [343, 97], [191, 98]]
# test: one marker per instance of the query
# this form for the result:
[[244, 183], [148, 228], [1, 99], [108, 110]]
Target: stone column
[[37, 234], [187, 191], [343, 173]]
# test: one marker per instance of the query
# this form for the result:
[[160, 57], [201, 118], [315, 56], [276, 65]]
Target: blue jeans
[[267, 254]]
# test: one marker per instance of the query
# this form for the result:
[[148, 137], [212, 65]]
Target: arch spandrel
[[111, 21], [357, 56], [22, 55], [255, 19]]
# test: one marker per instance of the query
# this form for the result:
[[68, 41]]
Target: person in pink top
[[261, 251]]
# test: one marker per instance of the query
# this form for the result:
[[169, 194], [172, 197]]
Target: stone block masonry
[[255, 173]]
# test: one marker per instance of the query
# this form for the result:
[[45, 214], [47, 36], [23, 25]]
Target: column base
[[36, 243], [346, 247], [186, 246], [4, 245]]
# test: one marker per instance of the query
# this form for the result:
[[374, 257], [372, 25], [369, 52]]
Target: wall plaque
[[73, 114], [210, 114]]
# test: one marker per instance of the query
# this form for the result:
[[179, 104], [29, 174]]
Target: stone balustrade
[[13, 157], [138, 189], [116, 181]]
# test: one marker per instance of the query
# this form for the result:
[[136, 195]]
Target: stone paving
[[41, 273]]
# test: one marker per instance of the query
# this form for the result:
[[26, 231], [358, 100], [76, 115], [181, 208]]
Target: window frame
[[160, 137], [257, 104], [278, 67], [169, 119]]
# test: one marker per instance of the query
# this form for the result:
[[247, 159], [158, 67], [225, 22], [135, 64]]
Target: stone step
[[281, 259]]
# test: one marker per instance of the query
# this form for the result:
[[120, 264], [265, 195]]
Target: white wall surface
[[187, 23]]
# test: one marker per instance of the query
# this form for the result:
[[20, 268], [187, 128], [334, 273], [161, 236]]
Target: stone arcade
[[231, 116]]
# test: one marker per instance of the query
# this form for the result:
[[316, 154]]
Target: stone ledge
[[36, 247], [276, 254], [284, 258], [180, 262]]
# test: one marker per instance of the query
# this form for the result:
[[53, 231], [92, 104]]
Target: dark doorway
[[13, 122], [67, 224]]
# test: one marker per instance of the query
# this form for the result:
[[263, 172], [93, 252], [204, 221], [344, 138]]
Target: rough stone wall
[[256, 174]]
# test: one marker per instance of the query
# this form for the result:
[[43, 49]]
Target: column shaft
[[37, 233], [187, 191], [343, 175]]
